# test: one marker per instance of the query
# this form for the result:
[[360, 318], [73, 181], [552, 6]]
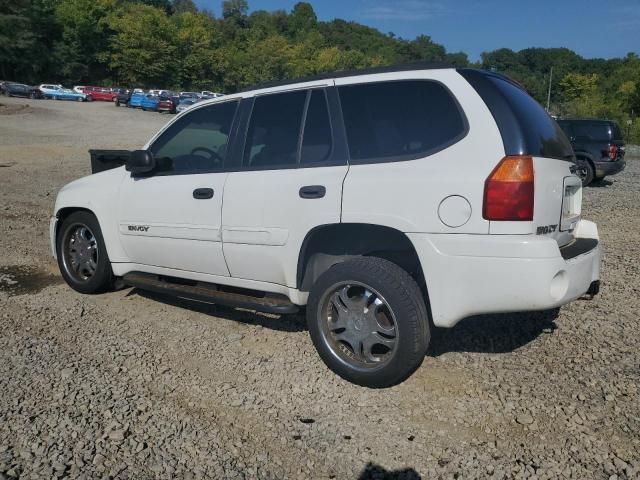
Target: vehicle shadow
[[282, 323], [371, 471], [495, 333], [601, 183]]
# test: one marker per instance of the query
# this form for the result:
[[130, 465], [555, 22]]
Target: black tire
[[405, 302], [588, 172], [101, 279]]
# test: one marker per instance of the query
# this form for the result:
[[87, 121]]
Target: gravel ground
[[130, 385]]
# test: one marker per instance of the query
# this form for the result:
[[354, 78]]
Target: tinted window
[[399, 120], [197, 142], [316, 140], [592, 131], [525, 126], [274, 130]]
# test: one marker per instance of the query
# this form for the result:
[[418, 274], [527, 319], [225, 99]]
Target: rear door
[[291, 168]]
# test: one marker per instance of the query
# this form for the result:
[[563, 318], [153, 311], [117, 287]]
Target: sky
[[604, 28]]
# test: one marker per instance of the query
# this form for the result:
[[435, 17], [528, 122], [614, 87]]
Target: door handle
[[203, 193], [313, 191]]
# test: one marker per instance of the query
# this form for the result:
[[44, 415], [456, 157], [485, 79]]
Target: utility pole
[[549, 91]]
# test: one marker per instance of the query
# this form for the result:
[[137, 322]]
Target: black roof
[[405, 67]]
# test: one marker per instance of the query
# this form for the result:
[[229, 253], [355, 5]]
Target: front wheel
[[82, 255], [368, 321]]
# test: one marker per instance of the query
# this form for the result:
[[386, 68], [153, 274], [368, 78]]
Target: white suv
[[386, 201]]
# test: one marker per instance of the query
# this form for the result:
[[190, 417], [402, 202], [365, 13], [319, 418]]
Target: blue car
[[150, 102], [136, 100], [57, 92]]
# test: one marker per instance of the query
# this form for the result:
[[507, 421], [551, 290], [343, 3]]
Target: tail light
[[612, 151], [508, 191]]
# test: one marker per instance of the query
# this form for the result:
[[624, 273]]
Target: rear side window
[[316, 140], [399, 120], [592, 131], [274, 130], [525, 126]]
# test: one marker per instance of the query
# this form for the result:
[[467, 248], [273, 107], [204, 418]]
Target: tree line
[[173, 44]]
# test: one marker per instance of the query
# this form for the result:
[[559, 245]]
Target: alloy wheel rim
[[80, 253], [358, 325]]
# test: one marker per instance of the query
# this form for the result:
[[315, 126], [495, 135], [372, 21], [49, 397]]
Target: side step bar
[[209, 292]]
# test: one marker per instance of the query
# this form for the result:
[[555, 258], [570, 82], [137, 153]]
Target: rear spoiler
[[102, 160]]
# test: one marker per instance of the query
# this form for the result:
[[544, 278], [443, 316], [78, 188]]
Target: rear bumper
[[604, 169], [475, 274]]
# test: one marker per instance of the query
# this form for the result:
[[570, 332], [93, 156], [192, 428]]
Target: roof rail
[[404, 67]]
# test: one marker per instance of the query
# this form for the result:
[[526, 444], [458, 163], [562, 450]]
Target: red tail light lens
[[508, 191], [613, 151]]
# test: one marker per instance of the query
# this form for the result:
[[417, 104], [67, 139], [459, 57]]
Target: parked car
[[159, 92], [135, 101], [429, 195], [209, 94], [186, 103], [150, 103], [57, 92], [189, 94], [20, 90], [100, 94], [79, 88], [168, 103], [123, 97], [598, 146]]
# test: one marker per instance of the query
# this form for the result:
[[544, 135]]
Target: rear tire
[[376, 306], [588, 172], [82, 255]]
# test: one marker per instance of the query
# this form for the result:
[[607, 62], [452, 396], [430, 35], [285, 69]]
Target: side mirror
[[140, 161]]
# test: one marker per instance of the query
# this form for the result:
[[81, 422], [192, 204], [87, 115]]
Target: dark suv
[[19, 90], [598, 146]]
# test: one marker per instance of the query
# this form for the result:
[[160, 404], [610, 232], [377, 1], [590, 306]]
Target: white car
[[209, 94], [387, 201]]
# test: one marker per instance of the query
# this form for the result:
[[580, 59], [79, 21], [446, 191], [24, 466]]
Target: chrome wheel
[[358, 325], [80, 253]]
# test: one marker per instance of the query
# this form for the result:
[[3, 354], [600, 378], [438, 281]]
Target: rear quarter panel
[[406, 195]]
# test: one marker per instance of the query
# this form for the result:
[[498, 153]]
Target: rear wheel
[[82, 256], [585, 171], [368, 321]]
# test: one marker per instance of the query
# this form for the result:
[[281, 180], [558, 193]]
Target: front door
[[172, 218]]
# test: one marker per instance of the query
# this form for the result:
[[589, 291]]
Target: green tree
[[142, 49]]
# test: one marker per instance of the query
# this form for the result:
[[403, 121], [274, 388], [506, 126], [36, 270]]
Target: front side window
[[274, 130], [399, 120], [197, 142]]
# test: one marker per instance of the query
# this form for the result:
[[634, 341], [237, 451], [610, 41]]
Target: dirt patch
[[14, 109], [24, 279]]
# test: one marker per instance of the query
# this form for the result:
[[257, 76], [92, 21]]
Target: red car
[[167, 104], [100, 93]]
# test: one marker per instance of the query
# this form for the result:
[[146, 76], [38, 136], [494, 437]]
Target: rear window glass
[[542, 134], [399, 120]]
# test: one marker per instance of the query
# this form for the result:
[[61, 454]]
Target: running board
[[210, 292]]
